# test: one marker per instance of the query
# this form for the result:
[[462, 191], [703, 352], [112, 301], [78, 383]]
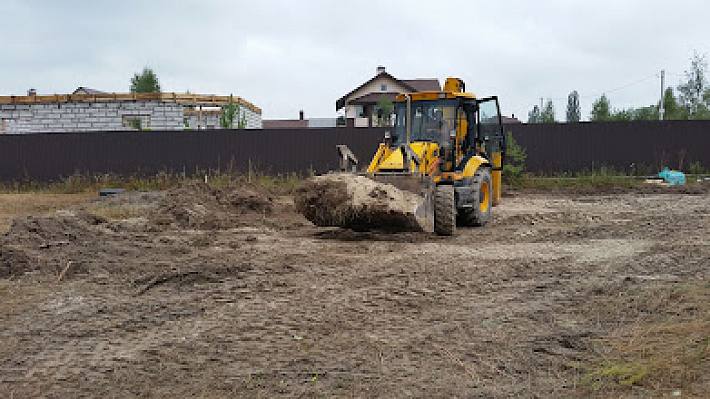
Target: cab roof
[[434, 95]]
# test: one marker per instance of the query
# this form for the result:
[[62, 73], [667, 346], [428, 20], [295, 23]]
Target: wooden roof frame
[[185, 99]]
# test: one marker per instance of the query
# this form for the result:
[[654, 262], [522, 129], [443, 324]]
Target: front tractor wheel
[[444, 211], [482, 193]]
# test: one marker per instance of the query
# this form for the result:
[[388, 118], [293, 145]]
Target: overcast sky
[[290, 55]]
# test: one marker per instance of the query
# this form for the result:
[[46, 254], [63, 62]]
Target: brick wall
[[210, 120], [103, 116]]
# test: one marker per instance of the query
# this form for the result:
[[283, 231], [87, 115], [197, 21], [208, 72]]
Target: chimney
[[380, 69], [300, 115], [31, 92]]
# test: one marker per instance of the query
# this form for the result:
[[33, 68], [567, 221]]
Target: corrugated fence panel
[[555, 148], [551, 148], [52, 156]]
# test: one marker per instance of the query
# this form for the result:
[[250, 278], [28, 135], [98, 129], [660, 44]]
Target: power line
[[613, 90], [652, 76]]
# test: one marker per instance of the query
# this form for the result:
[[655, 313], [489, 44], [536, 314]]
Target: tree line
[[692, 101]]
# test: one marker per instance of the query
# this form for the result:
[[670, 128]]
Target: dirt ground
[[14, 205], [211, 292]]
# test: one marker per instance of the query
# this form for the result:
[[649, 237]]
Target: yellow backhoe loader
[[449, 148]]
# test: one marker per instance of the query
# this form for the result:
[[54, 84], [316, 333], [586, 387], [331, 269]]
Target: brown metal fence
[[551, 149], [52, 156], [640, 147]]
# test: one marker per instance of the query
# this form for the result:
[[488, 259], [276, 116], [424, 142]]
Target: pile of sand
[[358, 203]]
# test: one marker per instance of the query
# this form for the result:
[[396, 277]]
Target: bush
[[696, 168], [514, 163]]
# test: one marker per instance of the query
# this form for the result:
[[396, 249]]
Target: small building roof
[[284, 123], [373, 98], [87, 90], [423, 84], [413, 85], [509, 120]]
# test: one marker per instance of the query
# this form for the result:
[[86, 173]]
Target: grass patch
[[625, 374], [117, 212], [590, 181], [666, 348], [600, 183], [279, 184], [23, 204]]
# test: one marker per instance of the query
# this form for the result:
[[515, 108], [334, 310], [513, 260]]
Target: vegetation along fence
[[640, 147]]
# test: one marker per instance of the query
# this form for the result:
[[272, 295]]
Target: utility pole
[[541, 104], [661, 109]]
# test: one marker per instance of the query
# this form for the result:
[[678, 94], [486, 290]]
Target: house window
[[383, 88]]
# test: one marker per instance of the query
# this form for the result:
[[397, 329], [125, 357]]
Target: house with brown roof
[[360, 104]]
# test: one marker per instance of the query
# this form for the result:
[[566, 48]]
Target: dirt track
[[218, 293]]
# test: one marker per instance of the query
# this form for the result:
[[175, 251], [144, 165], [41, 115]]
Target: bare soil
[[228, 292]]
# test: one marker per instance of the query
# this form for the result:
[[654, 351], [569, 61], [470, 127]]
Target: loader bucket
[[364, 203], [420, 185]]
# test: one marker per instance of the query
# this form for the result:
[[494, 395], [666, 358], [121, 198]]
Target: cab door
[[490, 134], [489, 126]]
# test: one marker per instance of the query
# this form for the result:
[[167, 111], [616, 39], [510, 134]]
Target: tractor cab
[[437, 133]]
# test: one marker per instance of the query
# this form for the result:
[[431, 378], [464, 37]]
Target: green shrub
[[696, 168], [514, 163]]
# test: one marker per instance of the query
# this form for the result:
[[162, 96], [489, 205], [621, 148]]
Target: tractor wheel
[[444, 211], [482, 193]]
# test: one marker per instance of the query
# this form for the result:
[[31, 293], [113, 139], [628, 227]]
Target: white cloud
[[287, 55]]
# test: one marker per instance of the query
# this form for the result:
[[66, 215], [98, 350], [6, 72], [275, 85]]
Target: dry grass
[[116, 212], [15, 205], [664, 345]]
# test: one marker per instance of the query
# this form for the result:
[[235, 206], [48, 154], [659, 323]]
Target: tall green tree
[[672, 110], [534, 115], [548, 113], [692, 91], [230, 113], [384, 111], [145, 82], [574, 114], [601, 109], [649, 113], [620, 115]]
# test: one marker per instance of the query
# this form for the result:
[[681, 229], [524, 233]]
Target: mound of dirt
[[13, 261], [199, 206], [357, 203], [62, 228]]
